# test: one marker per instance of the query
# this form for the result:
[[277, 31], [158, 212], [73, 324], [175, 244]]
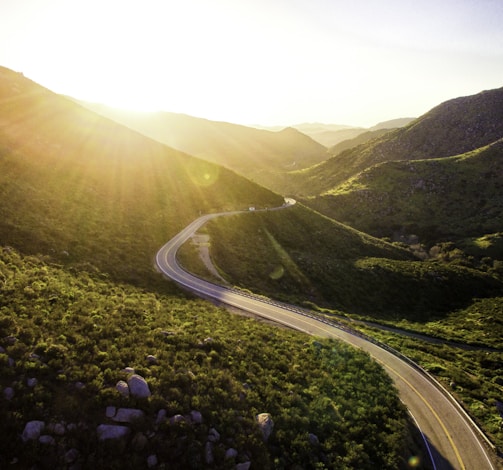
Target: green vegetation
[[75, 332], [336, 267], [81, 188], [474, 377], [445, 199], [328, 267]]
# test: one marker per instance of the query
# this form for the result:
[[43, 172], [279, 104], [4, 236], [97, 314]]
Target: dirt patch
[[202, 242]]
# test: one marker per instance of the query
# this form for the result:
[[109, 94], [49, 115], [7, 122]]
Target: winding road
[[451, 440]]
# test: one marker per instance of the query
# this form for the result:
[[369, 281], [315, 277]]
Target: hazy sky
[[259, 61]]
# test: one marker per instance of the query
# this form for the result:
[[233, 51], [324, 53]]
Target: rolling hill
[[260, 155], [80, 187], [86, 203], [447, 198], [451, 128]]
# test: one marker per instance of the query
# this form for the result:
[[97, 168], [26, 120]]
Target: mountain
[[454, 127], [331, 135], [86, 203], [256, 153], [361, 138], [80, 187], [448, 198], [392, 124]]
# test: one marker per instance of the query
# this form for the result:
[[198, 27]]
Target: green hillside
[[83, 188], [86, 203], [66, 339], [438, 199], [298, 255], [454, 127], [258, 154]]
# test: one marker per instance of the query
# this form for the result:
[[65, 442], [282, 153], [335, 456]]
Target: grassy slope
[[84, 329], [447, 198], [454, 127], [100, 199], [296, 254], [258, 154], [83, 188]]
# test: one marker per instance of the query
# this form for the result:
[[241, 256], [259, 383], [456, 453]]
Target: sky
[[268, 62]]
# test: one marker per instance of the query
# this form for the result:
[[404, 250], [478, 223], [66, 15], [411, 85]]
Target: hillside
[[361, 138], [452, 128], [298, 255], [94, 343], [438, 199], [83, 188], [257, 154]]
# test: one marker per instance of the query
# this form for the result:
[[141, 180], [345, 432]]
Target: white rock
[[128, 415], [8, 393], [112, 431], [128, 370], [151, 359], [243, 466], [266, 424], [32, 430], [138, 386], [176, 419], [122, 387]]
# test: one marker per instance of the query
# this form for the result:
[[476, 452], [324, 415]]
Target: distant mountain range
[[330, 135], [261, 155]]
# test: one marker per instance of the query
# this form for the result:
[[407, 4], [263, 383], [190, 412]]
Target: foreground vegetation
[[74, 333]]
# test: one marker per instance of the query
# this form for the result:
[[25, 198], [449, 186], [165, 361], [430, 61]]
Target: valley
[[400, 228]]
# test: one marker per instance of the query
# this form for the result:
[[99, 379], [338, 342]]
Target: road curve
[[451, 440]]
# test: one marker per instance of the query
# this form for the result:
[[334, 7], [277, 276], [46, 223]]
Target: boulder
[[128, 415], [243, 466], [110, 411], [266, 424], [176, 419], [123, 388], [47, 440], [32, 430], [151, 359], [231, 453], [161, 416], [112, 431], [196, 417], [138, 386], [8, 393], [31, 382]]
